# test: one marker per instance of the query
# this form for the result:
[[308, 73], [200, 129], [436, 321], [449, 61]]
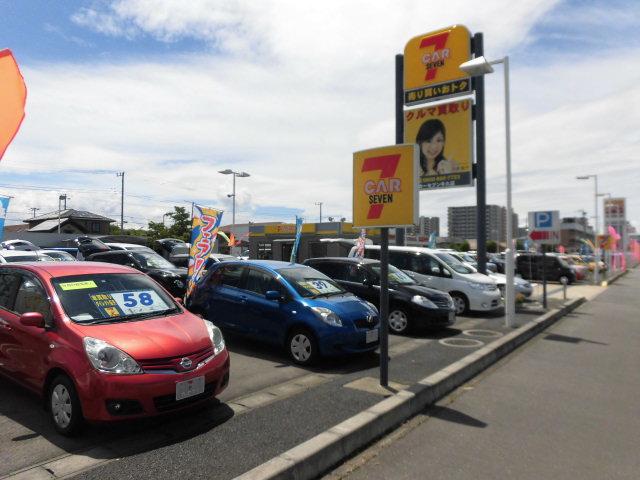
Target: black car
[[174, 250], [409, 303], [538, 267], [165, 273]]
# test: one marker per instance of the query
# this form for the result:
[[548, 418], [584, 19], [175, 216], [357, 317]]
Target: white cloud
[[297, 89]]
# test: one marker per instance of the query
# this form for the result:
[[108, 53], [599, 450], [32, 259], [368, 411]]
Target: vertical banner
[[204, 230], [296, 244], [13, 96], [4, 206]]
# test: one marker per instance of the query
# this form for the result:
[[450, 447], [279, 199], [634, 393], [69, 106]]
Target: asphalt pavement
[[564, 406]]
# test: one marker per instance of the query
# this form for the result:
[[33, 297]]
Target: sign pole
[[544, 278], [400, 232], [384, 307], [481, 188]]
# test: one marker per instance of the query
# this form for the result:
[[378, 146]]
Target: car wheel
[[460, 303], [398, 321], [302, 347], [64, 406]]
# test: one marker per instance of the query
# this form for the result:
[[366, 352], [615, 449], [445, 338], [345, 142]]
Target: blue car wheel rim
[[300, 347]]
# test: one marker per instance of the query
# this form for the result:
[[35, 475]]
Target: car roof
[[403, 249], [126, 245], [64, 269], [345, 260], [18, 253]]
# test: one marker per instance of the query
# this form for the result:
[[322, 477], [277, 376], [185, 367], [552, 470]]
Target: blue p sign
[[544, 219]]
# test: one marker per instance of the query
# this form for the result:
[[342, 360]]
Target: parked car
[[18, 245], [127, 246], [287, 305], [58, 255], [580, 268], [174, 250], [521, 286], [13, 256], [472, 260], [88, 246], [410, 304], [537, 267], [468, 289], [108, 347], [165, 273]]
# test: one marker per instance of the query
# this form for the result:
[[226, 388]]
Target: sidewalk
[[564, 407]]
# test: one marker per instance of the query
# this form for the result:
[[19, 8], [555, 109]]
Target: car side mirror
[[273, 295], [446, 273], [178, 300], [32, 319]]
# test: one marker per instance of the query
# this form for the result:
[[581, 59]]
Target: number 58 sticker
[[140, 301]]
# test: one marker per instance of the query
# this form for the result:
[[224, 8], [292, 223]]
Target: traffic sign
[[545, 237]]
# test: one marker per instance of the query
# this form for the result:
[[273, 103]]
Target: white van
[[469, 289]]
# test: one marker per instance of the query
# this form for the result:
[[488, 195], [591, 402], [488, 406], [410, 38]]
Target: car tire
[[399, 322], [302, 347], [64, 406], [460, 303]]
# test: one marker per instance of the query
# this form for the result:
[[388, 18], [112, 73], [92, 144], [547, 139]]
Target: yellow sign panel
[[289, 228], [78, 285], [444, 137], [431, 65], [385, 187]]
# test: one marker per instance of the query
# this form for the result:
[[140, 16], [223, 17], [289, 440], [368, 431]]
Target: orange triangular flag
[[13, 95]]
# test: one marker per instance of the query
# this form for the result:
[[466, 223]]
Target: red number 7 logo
[[387, 164], [438, 42]]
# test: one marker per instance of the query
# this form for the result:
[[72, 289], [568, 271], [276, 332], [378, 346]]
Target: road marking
[[461, 342], [482, 333]]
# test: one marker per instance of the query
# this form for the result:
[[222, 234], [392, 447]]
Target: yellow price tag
[[78, 285]]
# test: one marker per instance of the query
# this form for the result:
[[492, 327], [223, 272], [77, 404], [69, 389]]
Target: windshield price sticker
[[106, 304], [319, 287], [78, 285], [139, 301]]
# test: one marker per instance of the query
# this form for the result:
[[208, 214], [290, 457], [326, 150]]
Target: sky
[[171, 92]]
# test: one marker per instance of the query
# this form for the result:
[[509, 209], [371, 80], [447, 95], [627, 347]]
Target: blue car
[[288, 305]]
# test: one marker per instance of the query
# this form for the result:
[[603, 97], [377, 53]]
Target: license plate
[[189, 388], [372, 335], [452, 316]]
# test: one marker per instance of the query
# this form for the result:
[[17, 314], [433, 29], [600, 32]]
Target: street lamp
[[228, 171], [320, 205], [596, 248], [477, 67]]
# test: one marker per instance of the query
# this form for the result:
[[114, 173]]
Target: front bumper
[[345, 341], [432, 317], [148, 394], [485, 301]]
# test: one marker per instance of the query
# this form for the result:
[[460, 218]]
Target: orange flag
[[13, 95]]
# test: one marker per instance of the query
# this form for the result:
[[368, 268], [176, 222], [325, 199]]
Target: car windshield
[[180, 250], [152, 260], [21, 258], [112, 297], [455, 264], [396, 275], [310, 283]]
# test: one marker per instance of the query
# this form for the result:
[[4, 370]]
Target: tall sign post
[[545, 230], [385, 194]]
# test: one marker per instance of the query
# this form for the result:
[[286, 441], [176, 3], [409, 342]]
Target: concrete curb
[[318, 454], [616, 276]]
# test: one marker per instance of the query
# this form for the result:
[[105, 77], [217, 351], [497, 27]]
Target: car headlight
[[481, 286], [109, 359], [217, 340], [423, 301], [372, 307], [327, 316]]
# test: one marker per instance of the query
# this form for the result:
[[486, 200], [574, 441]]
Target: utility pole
[[60, 199], [320, 205], [121, 174], [33, 211]]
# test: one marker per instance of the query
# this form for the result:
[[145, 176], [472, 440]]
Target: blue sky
[[286, 90]]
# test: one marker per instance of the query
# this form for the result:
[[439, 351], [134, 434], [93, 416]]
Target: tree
[[181, 227], [492, 246]]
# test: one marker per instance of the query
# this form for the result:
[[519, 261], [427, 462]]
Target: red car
[[104, 342]]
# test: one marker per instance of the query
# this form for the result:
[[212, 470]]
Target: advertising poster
[[204, 230], [4, 206], [444, 136]]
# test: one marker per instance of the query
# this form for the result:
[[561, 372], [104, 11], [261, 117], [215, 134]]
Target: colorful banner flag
[[4, 206], [296, 244], [204, 229], [13, 96]]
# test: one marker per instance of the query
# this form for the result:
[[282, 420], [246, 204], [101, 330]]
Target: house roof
[[22, 227], [48, 225], [69, 213]]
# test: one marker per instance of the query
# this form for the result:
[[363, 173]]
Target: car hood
[[430, 293], [477, 277], [501, 279], [346, 306], [154, 338]]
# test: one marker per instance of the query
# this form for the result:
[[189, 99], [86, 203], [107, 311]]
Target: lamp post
[[228, 171], [477, 67], [596, 248], [320, 205]]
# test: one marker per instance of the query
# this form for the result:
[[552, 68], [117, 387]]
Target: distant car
[[165, 273], [539, 267], [410, 304], [88, 246], [104, 343], [288, 305], [58, 255], [128, 246], [14, 256], [18, 245], [174, 250]]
